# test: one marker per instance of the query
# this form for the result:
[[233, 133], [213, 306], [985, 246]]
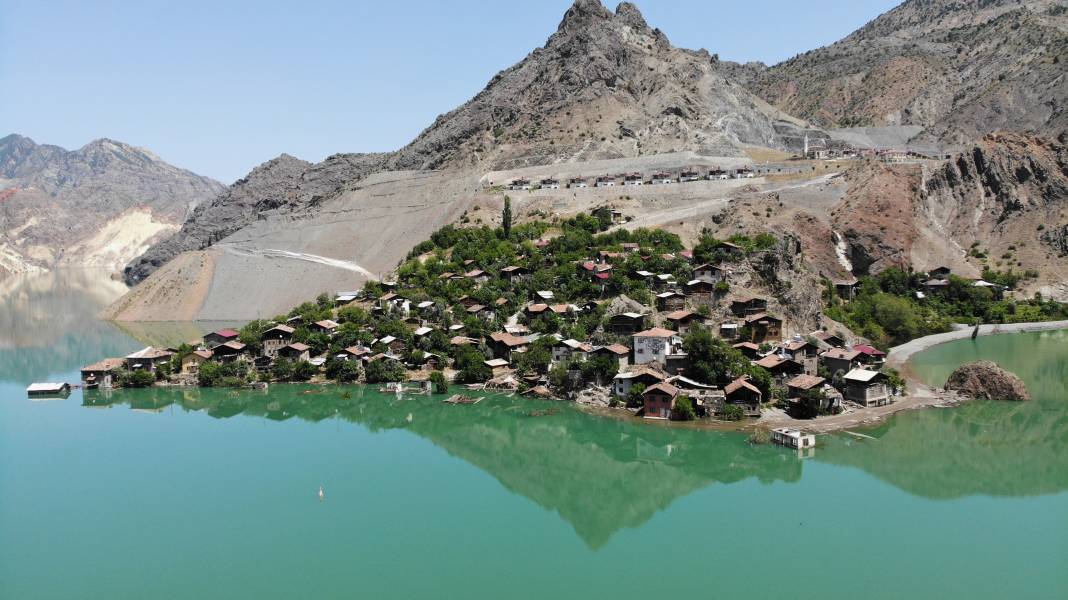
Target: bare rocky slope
[[100, 205], [959, 68], [1003, 203], [605, 85]]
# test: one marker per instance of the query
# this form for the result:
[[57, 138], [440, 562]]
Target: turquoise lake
[[186, 493]]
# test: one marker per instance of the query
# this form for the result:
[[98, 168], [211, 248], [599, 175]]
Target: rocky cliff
[[1003, 204], [100, 205], [959, 68]]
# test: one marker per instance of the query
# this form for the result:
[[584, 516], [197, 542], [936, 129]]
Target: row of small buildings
[[633, 179]]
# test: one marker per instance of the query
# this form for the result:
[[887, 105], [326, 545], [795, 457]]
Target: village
[[629, 320]]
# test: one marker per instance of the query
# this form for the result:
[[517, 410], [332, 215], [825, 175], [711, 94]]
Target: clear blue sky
[[219, 87]]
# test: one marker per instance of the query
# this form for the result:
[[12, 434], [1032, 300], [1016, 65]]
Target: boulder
[[985, 379]]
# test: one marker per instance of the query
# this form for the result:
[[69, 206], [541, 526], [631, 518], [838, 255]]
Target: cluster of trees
[[886, 310], [714, 361]]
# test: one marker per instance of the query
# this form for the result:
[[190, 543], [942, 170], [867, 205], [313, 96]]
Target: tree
[[635, 398], [343, 371], [506, 218], [303, 371], [683, 409], [385, 370], [470, 365], [441, 385], [731, 412], [809, 405], [136, 379], [281, 370]]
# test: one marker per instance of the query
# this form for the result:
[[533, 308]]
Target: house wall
[[658, 406], [876, 394], [650, 349]]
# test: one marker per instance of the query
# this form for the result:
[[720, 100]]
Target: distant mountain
[[959, 68], [605, 85], [99, 205]]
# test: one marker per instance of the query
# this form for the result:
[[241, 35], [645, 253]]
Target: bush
[[683, 409], [760, 436], [730, 412], [440, 384], [136, 379], [343, 371]]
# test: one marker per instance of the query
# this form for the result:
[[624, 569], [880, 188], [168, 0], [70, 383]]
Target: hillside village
[[604, 316]]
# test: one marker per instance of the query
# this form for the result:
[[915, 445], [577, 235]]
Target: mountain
[[100, 205], [605, 85], [958, 68]]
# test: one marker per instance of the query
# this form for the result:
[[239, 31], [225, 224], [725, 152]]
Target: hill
[[100, 205], [958, 68]]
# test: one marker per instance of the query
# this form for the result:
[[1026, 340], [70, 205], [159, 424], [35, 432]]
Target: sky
[[219, 87]]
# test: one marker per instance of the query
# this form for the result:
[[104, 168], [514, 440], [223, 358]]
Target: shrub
[[683, 409], [441, 385], [760, 436], [731, 412], [136, 379]]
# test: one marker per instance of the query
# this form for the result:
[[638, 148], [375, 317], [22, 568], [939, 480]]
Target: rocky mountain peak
[[583, 14]]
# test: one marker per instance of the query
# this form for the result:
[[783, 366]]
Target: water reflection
[[49, 325], [600, 475]]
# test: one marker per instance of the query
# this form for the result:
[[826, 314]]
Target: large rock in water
[[985, 379]]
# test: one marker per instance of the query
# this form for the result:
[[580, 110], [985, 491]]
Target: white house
[[605, 181], [662, 179], [654, 345], [792, 438]]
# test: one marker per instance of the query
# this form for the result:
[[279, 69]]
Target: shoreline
[[921, 395]]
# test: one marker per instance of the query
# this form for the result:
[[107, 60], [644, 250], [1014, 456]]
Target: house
[[354, 353], [743, 173], [780, 367], [605, 181], [792, 438], [147, 359], [503, 345], [802, 351], [519, 184], [701, 291], [729, 331], [870, 355], [617, 216], [633, 179], [191, 362], [659, 400], [48, 390], [423, 332], [295, 351], [681, 320], [867, 388], [325, 326], [617, 351], [483, 312], [716, 174], [577, 182], [662, 178], [275, 338], [230, 351], [689, 175], [627, 323], [544, 295], [653, 345], [534, 310], [630, 246], [749, 306], [763, 328], [742, 393], [940, 273], [666, 301], [707, 272], [477, 275], [934, 286], [346, 297], [101, 374], [828, 338], [564, 350], [748, 349], [706, 397], [733, 251], [466, 301], [624, 380], [498, 366], [549, 184], [840, 360], [803, 383], [846, 288], [221, 336], [514, 272]]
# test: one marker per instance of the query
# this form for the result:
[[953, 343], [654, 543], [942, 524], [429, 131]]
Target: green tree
[[683, 409], [136, 379], [384, 370], [441, 385], [635, 399], [470, 365], [730, 412], [506, 218]]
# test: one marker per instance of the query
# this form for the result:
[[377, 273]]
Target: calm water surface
[[212, 494]]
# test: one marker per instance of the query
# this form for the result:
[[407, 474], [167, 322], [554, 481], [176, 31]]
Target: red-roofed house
[[659, 400]]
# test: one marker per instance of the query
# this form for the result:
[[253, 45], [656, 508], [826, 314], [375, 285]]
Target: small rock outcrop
[[985, 379]]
